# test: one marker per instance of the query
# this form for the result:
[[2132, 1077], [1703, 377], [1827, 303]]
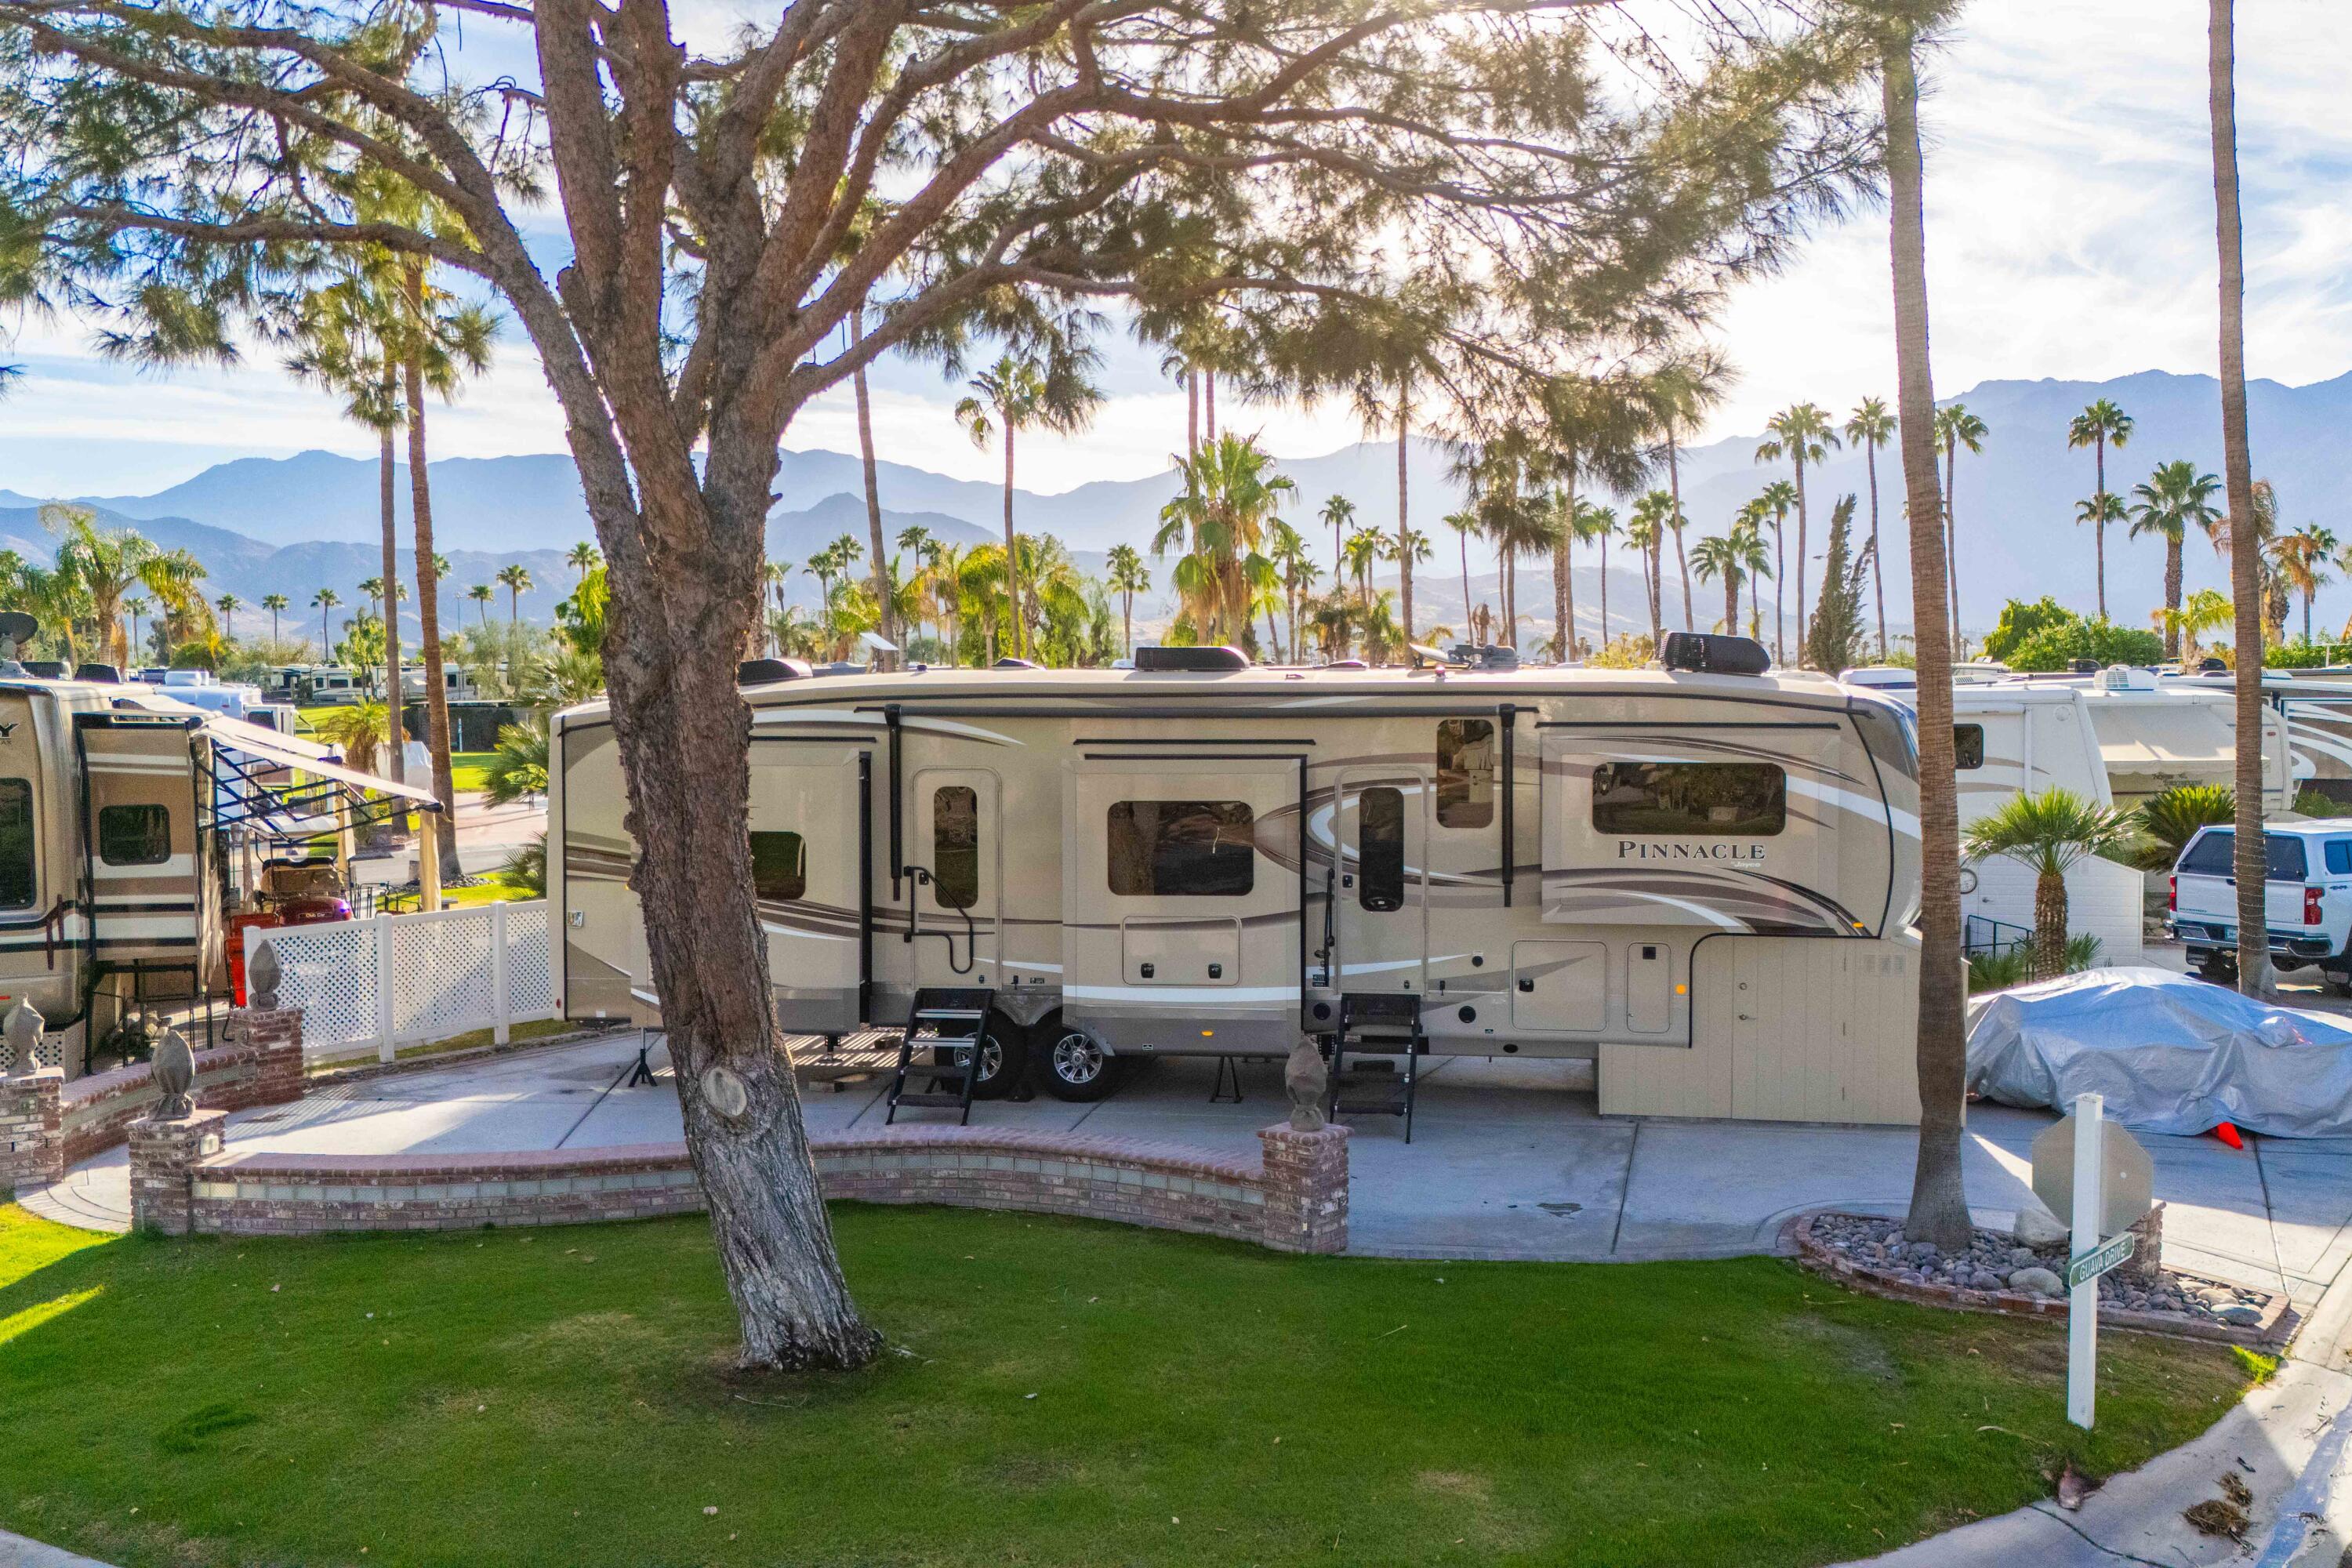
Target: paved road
[[1510, 1159]]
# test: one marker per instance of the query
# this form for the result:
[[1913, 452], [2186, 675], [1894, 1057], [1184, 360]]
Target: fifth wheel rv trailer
[[1704, 881]]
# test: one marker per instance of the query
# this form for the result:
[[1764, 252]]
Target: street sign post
[[2083, 1298]]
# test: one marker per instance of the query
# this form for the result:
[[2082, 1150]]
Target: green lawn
[[469, 770], [1058, 1393]]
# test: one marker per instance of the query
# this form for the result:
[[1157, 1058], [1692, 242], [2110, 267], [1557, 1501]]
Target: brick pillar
[[32, 1135], [1306, 1189], [163, 1156], [275, 1037], [2147, 1258]]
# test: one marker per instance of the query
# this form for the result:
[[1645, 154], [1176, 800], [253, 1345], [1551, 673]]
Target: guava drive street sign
[[2108, 1254]]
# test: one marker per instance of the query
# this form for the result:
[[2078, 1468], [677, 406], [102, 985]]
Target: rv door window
[[1380, 849], [1182, 849], [134, 835], [1465, 773], [955, 846], [779, 865], [1968, 747], [1747, 800], [15, 844]]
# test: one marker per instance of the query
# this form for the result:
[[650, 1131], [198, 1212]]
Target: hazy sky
[[2070, 234]]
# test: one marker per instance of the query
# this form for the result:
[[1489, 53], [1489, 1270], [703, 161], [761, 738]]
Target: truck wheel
[[1074, 1064], [1003, 1058], [2219, 968]]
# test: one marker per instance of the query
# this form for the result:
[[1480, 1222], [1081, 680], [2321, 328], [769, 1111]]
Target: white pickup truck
[[2306, 899]]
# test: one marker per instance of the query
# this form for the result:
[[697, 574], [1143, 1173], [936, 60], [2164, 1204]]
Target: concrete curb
[[17, 1552]]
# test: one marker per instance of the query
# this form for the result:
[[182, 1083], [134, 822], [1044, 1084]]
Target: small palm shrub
[[2168, 820], [526, 869], [2049, 832], [518, 767]]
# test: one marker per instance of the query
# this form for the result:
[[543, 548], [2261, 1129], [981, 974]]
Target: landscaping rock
[[2037, 1282], [1982, 1280], [2023, 1257], [2037, 1227], [2239, 1313]]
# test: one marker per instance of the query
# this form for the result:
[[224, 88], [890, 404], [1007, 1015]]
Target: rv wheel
[[1075, 1067], [1004, 1059]]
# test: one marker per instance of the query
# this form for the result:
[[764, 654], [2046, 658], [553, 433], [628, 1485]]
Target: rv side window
[[134, 835], [1380, 849], [779, 865], [15, 844], [955, 846], [1182, 849], [1968, 746], [1465, 773], [1744, 800]]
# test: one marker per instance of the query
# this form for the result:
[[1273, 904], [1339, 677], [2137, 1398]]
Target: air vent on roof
[[1193, 658], [768, 671], [1707, 653]]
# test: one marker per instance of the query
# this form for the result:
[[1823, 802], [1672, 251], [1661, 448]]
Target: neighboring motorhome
[[133, 829], [1704, 882]]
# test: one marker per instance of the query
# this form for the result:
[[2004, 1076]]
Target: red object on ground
[[300, 912], [2228, 1134]]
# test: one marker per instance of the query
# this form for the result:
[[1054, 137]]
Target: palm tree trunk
[[1674, 488], [1939, 1205], [428, 588], [2099, 524], [2238, 476], [1127, 623], [1405, 536], [2173, 585], [1731, 604], [1779, 577], [2049, 926], [1211, 404], [888, 611], [1604, 591], [1952, 528], [1012, 551], [1463, 539], [1191, 411], [1654, 567], [1877, 556], [385, 503], [1801, 551]]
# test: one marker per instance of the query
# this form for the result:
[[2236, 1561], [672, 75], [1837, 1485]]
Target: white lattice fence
[[376, 984]]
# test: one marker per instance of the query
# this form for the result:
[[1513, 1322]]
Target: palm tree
[[1338, 512], [1014, 394], [2304, 557], [228, 605], [1803, 433], [1939, 1204], [2207, 610], [2099, 510], [1464, 523], [1367, 547], [99, 567], [1755, 563], [1717, 558], [1773, 503], [1599, 525], [137, 607], [1955, 427], [2172, 499], [2050, 832], [1869, 427], [1126, 575], [1220, 520], [276, 605], [1681, 393], [1296, 563], [324, 601], [482, 593], [584, 558], [1653, 514], [516, 580], [2101, 425]]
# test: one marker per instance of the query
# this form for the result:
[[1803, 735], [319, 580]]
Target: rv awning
[[2153, 737], [274, 785], [288, 751]]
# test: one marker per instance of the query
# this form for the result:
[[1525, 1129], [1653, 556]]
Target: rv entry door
[[805, 879], [959, 843], [1380, 823]]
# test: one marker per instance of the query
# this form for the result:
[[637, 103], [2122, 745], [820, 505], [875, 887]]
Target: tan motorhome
[[125, 817], [1704, 881]]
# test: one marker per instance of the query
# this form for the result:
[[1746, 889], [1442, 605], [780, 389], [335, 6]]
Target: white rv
[[1704, 881]]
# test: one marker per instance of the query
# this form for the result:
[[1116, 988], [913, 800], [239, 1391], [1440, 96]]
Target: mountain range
[[294, 525]]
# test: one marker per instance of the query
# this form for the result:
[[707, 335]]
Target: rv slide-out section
[[1554, 863]]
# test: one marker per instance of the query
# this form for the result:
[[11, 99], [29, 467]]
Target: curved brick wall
[[1294, 1198]]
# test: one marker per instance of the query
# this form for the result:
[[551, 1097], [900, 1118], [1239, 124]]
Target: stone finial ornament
[[174, 1069], [261, 977], [22, 1029], [1305, 1079]]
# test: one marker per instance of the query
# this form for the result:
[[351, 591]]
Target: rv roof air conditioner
[[2123, 677], [1493, 656], [1197, 659], [1707, 653], [768, 671]]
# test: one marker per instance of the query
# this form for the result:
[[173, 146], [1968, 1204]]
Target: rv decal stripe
[[1171, 996]]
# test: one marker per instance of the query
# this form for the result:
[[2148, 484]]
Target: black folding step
[[1379, 1025], [948, 1021]]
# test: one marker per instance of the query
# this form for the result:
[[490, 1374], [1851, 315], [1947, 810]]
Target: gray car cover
[[2170, 1054]]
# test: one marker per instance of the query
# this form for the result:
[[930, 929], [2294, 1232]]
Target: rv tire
[[1004, 1059], [1073, 1063]]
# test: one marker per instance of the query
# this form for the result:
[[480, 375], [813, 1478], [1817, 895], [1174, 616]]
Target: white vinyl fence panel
[[372, 985]]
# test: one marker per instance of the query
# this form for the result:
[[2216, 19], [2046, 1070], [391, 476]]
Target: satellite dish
[[16, 625], [876, 644]]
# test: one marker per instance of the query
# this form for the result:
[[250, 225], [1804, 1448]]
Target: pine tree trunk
[[428, 594], [1940, 1207], [2238, 476], [887, 611], [2049, 926]]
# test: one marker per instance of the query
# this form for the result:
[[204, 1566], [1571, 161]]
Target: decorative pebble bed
[[1999, 1273]]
